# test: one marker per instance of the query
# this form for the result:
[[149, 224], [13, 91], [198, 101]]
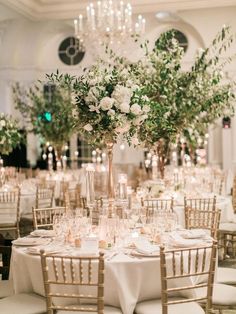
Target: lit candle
[[80, 23], [76, 27], [143, 26]]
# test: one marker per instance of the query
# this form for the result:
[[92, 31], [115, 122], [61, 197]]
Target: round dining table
[[129, 278]]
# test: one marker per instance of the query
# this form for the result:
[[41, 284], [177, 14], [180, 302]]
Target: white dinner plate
[[30, 241], [42, 233]]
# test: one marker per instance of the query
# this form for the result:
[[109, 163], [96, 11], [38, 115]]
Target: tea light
[[134, 234], [90, 243]]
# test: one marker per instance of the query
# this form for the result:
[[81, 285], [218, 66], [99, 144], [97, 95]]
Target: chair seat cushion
[[155, 307], [223, 295], [226, 275], [6, 288], [23, 304], [228, 226], [107, 310]]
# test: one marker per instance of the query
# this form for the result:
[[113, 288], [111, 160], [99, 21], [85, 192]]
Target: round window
[[181, 38], [70, 51]]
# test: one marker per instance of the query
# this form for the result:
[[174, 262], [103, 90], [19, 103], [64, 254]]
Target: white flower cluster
[[9, 135], [110, 98]]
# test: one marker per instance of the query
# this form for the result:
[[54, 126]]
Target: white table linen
[[128, 280]]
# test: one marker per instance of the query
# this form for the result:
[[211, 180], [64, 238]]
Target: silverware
[[111, 256]]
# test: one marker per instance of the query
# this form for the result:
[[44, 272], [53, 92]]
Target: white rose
[[123, 128], [93, 95], [88, 127], [3, 123], [145, 98], [106, 103], [136, 109], [124, 107], [111, 113], [146, 108], [122, 94]]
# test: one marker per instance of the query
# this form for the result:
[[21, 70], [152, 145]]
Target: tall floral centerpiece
[[10, 138], [48, 114], [108, 105], [182, 103]]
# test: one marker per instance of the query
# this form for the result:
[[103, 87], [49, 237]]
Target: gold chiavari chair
[[234, 195], [43, 217], [217, 185], [227, 236], [96, 211], [85, 274], [158, 204], [184, 268], [200, 203], [44, 196], [72, 198], [153, 205], [64, 186], [10, 205], [203, 219]]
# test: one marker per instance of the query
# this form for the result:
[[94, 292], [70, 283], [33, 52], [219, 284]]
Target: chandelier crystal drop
[[108, 21]]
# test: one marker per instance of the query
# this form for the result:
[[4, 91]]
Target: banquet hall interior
[[117, 156]]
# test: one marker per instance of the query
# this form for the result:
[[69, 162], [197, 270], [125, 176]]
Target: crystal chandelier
[[108, 22]]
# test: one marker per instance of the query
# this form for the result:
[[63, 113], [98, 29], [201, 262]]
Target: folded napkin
[[50, 250], [145, 247], [193, 234], [176, 240], [43, 233]]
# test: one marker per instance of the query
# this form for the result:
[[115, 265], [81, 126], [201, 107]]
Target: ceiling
[[67, 9]]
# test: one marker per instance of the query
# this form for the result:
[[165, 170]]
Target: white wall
[[28, 50]]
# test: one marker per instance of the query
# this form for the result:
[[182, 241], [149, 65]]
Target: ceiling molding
[[61, 9]]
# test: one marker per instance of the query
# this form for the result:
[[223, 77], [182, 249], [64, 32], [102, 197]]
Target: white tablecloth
[[127, 280]]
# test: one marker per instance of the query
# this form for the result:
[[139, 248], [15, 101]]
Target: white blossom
[[122, 94], [88, 127], [146, 108], [106, 103], [94, 108], [111, 113], [136, 109], [3, 123], [124, 107], [124, 127]]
